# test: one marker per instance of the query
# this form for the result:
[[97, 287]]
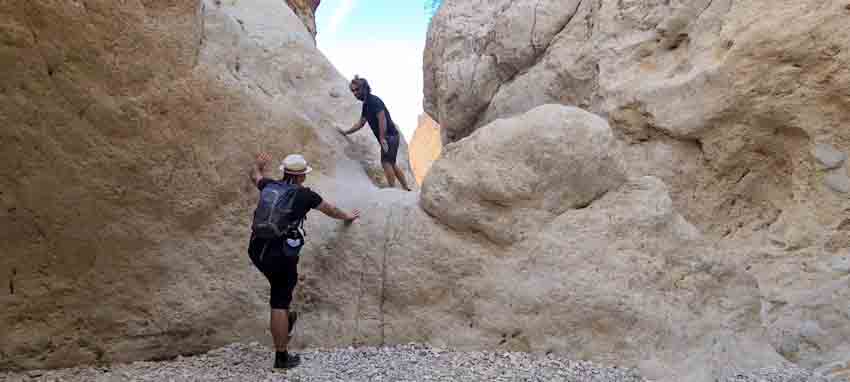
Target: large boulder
[[514, 177]]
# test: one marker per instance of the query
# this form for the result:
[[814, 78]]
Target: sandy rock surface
[[425, 147]]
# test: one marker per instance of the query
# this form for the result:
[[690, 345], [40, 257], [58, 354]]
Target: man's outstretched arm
[[258, 171], [336, 213], [357, 126]]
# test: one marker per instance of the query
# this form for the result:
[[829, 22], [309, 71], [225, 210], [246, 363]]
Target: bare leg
[[280, 329], [400, 175], [389, 173]]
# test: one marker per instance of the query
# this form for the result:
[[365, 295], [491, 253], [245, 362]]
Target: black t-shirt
[[373, 105], [305, 199]]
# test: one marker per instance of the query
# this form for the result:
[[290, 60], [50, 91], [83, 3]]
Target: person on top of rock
[[382, 125], [277, 238]]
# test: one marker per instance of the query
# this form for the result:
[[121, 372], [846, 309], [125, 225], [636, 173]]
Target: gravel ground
[[252, 362]]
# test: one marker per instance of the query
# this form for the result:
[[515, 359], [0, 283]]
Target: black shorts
[[279, 263], [390, 155]]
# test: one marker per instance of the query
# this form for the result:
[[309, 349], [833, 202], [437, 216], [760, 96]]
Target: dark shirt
[[373, 105], [305, 199]]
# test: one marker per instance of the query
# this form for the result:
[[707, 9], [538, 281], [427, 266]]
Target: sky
[[382, 41]]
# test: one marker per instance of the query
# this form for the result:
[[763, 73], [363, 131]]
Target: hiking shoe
[[287, 361], [292, 317]]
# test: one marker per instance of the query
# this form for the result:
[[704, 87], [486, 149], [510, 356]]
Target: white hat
[[295, 164]]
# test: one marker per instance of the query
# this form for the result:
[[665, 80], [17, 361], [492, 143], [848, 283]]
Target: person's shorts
[[278, 261], [390, 155]]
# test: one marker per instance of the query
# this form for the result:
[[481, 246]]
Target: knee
[[279, 303]]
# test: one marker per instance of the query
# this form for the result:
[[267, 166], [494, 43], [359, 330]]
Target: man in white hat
[[277, 258]]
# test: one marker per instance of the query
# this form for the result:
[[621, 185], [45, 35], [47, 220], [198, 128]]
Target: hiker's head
[[360, 87], [295, 169]]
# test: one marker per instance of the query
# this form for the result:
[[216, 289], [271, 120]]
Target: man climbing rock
[[277, 238], [382, 125]]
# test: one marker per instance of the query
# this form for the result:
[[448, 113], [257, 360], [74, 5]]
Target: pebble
[[828, 156], [838, 182], [841, 264]]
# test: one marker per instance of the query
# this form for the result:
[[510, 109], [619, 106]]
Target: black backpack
[[273, 217]]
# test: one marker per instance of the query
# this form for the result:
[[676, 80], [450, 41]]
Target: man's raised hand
[[259, 168], [263, 159]]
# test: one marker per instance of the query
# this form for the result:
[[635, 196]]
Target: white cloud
[[341, 12], [393, 68]]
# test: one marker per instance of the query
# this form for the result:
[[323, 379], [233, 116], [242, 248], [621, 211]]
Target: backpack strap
[[263, 253], [300, 226]]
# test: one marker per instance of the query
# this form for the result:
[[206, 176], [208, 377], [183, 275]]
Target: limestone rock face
[[425, 147], [725, 101], [475, 46], [740, 108], [127, 132], [306, 11]]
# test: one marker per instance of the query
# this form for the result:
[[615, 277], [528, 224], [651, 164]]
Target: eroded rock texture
[[740, 107], [306, 11]]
